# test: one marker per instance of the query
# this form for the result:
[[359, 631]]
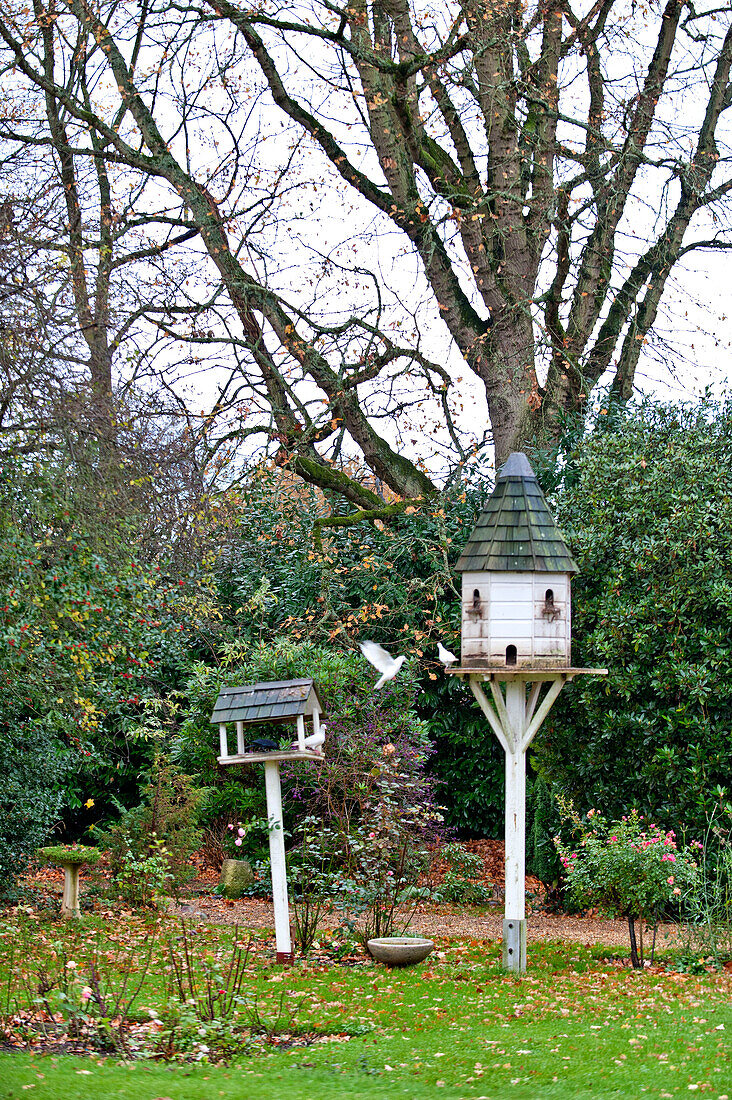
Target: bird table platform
[[276, 702], [504, 672], [279, 755]]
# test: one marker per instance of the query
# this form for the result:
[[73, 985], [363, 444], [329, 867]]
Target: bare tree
[[545, 166], [60, 240], [515, 145], [70, 303]]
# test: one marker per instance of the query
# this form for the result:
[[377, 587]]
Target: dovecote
[[516, 579]]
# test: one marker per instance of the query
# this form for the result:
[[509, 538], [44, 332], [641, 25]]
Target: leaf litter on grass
[[465, 1025]]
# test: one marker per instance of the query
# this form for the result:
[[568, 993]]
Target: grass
[[577, 1025]]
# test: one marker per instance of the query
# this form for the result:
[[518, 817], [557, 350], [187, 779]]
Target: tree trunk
[[509, 375], [633, 945]]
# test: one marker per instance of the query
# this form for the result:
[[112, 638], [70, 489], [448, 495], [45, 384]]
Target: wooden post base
[[514, 945], [285, 958]]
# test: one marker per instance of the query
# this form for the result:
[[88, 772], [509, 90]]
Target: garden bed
[[482, 922]]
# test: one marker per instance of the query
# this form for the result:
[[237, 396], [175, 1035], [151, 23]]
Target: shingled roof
[[272, 701], [516, 532]]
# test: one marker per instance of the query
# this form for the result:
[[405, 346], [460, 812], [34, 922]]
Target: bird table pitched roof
[[273, 701], [516, 532]]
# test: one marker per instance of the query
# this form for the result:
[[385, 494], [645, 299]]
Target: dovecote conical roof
[[516, 532]]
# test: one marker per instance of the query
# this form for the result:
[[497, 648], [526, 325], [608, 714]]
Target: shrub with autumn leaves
[[89, 633]]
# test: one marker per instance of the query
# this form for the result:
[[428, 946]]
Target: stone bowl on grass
[[400, 950]]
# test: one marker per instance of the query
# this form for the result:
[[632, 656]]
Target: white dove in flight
[[382, 661], [314, 742], [445, 655]]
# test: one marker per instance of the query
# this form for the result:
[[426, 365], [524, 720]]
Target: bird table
[[515, 717], [272, 702]]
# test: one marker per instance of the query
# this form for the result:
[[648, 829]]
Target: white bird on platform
[[445, 655], [314, 741], [382, 661]]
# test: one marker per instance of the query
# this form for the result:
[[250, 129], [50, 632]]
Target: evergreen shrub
[[646, 505]]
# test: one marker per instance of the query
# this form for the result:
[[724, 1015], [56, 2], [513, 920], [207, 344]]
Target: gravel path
[[443, 921]]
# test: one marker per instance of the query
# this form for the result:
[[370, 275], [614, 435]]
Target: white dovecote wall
[[529, 612]]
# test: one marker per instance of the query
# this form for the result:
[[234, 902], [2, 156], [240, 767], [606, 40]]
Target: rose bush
[[627, 868]]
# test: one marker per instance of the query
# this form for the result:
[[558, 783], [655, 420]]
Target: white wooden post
[[241, 747], [222, 739], [278, 862], [514, 915], [300, 733]]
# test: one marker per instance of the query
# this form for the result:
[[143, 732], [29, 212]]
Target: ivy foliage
[[646, 504]]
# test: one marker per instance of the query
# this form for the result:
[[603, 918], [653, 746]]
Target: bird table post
[[516, 631], [276, 702], [278, 863]]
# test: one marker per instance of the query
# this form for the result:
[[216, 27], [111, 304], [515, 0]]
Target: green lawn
[[577, 1025]]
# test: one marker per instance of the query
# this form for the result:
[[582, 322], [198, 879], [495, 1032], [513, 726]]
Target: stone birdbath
[[70, 857], [400, 950]]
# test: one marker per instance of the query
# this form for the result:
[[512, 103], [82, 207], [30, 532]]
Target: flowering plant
[[627, 868], [235, 844], [388, 851]]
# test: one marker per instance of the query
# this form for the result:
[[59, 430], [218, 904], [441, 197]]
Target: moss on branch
[[385, 512]]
